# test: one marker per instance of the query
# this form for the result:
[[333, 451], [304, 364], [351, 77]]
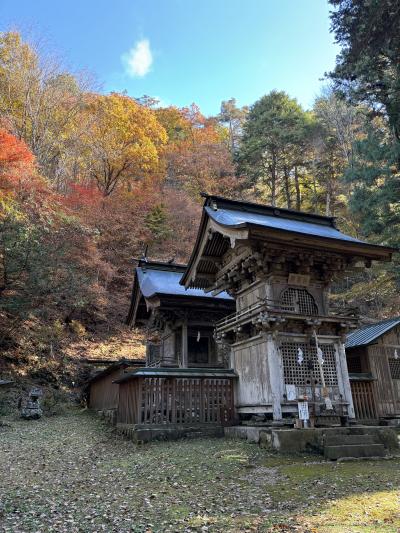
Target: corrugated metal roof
[[367, 334], [236, 218], [159, 281]]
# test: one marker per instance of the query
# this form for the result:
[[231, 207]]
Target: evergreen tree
[[157, 223], [368, 67], [273, 146], [375, 185]]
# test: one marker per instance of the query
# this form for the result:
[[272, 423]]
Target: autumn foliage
[[89, 181]]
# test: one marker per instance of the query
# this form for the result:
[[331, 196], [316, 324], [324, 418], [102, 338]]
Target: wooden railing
[[176, 397], [273, 308], [364, 400]]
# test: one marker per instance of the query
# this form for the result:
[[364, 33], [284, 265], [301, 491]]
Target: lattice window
[[303, 374], [394, 365], [300, 300], [354, 365]]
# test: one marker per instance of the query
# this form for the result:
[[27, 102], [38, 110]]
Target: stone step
[[393, 422], [342, 439], [354, 450]]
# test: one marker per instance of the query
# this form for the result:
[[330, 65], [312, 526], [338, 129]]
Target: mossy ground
[[71, 473]]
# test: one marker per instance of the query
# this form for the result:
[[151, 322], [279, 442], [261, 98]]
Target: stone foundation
[[310, 440], [140, 434]]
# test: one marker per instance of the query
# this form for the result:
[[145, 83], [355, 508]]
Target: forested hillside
[[89, 180]]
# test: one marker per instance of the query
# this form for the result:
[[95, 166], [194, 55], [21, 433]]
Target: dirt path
[[72, 474]]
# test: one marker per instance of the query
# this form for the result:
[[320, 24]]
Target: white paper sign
[[303, 410], [291, 392]]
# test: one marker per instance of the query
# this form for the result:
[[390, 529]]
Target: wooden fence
[[364, 400], [177, 400]]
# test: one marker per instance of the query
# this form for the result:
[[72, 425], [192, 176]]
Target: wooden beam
[[185, 355]]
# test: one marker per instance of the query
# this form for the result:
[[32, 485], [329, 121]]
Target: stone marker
[[31, 410]]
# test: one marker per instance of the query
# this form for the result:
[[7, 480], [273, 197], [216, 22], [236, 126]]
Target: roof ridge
[[373, 324], [292, 214], [165, 266]]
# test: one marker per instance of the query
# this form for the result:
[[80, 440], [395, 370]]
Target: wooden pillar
[[275, 376], [345, 379], [185, 355]]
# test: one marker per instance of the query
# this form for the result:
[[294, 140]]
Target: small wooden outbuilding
[[103, 392], [373, 360]]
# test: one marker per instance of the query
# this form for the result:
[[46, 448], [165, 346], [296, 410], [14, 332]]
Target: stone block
[[354, 450]]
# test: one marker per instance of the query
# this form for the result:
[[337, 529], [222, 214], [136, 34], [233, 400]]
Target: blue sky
[[185, 51]]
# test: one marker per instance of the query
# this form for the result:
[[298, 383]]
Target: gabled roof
[[156, 279], [225, 219], [368, 334], [163, 279], [281, 219]]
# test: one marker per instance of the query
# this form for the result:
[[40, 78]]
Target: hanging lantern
[[320, 355], [300, 356], [198, 336], [396, 355]]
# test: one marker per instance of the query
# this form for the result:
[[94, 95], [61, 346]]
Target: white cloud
[[139, 59]]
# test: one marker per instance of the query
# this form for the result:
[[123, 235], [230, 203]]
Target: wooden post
[[346, 380], [275, 376], [185, 356]]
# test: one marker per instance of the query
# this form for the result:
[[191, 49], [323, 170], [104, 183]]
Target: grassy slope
[[71, 473]]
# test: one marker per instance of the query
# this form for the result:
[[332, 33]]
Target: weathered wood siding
[[267, 364], [104, 393], [387, 389], [251, 295], [128, 408], [250, 361]]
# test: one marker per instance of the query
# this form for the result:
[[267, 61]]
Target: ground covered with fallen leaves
[[71, 473]]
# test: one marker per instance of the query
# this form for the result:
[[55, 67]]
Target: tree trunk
[[273, 180], [297, 187], [328, 198], [286, 175]]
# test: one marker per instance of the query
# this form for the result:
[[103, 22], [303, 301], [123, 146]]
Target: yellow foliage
[[77, 328], [123, 139]]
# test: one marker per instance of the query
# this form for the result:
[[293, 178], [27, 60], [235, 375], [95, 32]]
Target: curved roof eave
[[199, 237]]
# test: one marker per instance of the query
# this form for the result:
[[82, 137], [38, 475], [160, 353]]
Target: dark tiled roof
[[367, 334]]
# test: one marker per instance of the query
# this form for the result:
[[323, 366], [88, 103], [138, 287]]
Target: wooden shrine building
[[373, 361], [287, 344], [187, 384], [179, 323]]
